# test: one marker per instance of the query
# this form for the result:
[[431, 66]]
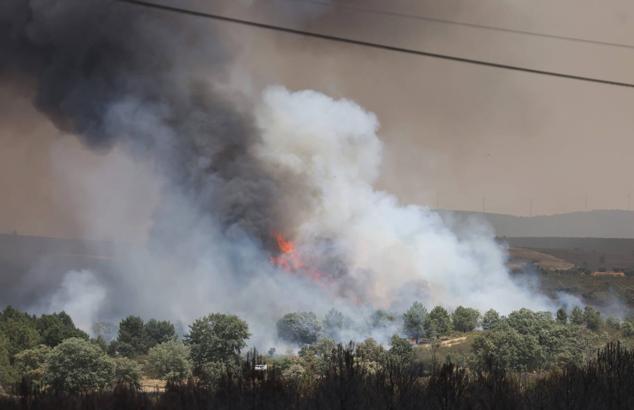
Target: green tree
[[525, 321], [490, 319], [562, 316], [508, 349], [558, 343], [414, 321], [299, 328], [465, 319], [369, 350], [30, 364], [127, 372], [324, 347], [217, 338], [170, 361], [438, 322], [76, 365], [131, 339], [401, 349], [7, 375], [316, 357], [211, 373], [576, 316], [158, 331], [20, 330], [56, 327], [592, 318]]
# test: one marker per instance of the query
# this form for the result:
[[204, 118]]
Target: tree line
[[47, 355]]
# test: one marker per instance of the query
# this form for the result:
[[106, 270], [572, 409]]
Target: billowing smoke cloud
[[388, 248], [303, 165], [115, 73]]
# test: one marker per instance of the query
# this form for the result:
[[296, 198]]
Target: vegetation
[[299, 328], [170, 361], [216, 339], [439, 358], [78, 366], [136, 337], [438, 322], [414, 321], [465, 319], [345, 382]]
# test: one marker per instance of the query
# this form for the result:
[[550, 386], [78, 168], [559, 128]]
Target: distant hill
[[591, 224]]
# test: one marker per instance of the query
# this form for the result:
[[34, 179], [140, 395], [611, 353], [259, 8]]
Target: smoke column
[[231, 173]]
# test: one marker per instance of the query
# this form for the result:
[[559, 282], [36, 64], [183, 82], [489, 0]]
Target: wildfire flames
[[290, 260], [284, 246]]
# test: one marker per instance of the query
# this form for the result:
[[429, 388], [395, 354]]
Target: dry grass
[[152, 385]]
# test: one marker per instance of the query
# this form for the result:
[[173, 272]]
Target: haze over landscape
[[218, 201], [520, 138]]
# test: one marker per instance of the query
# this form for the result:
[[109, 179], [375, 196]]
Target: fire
[[290, 260], [284, 245]]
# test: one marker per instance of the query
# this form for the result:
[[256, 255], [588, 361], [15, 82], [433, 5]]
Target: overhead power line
[[368, 10], [410, 51]]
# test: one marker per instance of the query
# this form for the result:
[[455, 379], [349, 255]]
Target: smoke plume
[[232, 173]]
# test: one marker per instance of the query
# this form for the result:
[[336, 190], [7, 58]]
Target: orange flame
[[288, 259], [284, 245]]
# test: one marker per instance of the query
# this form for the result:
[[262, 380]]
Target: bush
[[170, 361], [30, 364], [76, 365], [127, 372]]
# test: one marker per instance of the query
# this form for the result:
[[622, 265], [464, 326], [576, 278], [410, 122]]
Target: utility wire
[[368, 10], [376, 45]]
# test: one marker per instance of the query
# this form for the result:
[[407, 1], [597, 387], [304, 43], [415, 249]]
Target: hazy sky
[[454, 133]]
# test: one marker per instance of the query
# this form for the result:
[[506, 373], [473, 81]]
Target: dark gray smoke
[[305, 164], [115, 73]]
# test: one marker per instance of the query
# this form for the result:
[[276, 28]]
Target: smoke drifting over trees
[[231, 174]]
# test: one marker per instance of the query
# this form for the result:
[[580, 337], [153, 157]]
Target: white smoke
[[389, 248], [393, 254], [81, 296]]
